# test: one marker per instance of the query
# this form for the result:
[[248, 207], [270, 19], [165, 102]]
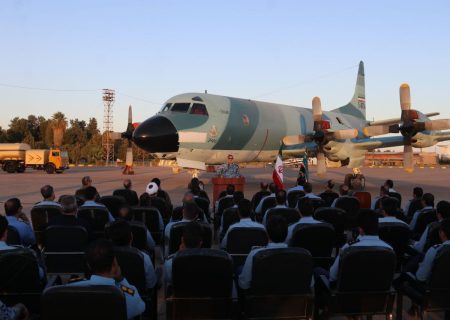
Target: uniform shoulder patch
[[76, 279], [126, 289], [353, 241]]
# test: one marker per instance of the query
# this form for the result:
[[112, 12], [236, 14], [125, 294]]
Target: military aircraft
[[200, 129]]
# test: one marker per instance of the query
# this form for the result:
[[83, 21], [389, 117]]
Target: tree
[[18, 128], [58, 125], [3, 136]]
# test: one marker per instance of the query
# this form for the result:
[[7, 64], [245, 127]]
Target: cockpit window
[[200, 109], [180, 107], [166, 107]]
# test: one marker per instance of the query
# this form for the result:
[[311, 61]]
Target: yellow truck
[[16, 157]]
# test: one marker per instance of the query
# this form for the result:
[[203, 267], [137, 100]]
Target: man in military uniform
[[229, 169], [106, 271]]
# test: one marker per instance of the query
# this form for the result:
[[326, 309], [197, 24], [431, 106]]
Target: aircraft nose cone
[[155, 135]]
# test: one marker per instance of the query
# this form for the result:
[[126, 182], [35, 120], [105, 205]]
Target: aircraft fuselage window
[[199, 109], [166, 107], [180, 107]]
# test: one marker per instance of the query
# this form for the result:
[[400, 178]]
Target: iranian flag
[[277, 174]]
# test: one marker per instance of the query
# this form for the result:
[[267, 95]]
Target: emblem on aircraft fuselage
[[245, 120], [213, 132]]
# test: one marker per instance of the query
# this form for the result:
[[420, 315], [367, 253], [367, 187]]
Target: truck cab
[[60, 160]]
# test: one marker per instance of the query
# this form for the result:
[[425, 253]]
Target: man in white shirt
[[306, 211], [308, 188], [280, 198], [428, 204], [389, 208], [273, 189], [91, 194]]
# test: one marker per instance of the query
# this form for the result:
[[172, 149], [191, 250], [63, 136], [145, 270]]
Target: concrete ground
[[26, 186]]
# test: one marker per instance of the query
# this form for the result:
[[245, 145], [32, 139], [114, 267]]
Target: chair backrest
[[176, 232], [113, 203], [318, 238], [293, 196], [97, 217], [351, 207], [162, 207], [150, 217], [241, 240], [257, 198], [440, 277], [334, 216], [328, 198], [425, 218], [282, 271], [315, 202], [177, 213], [65, 239], [13, 237], [290, 214], [230, 216], [19, 271], [267, 204], [83, 302], [365, 199], [202, 273], [365, 269], [396, 195], [203, 204], [40, 215], [139, 231], [224, 203], [131, 263], [128, 195], [396, 234]]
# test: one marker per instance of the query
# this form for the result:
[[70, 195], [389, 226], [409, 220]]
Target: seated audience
[[308, 188], [442, 212], [106, 271], [196, 182], [277, 232], [69, 216], [48, 195], [191, 239], [376, 202], [125, 215], [90, 196], [414, 202], [19, 220], [127, 193], [281, 198], [161, 193], [86, 181], [273, 189], [343, 192], [237, 197], [228, 193], [190, 213], [16, 312], [389, 209], [301, 180], [244, 212], [306, 210], [121, 235], [260, 194], [389, 185], [427, 203]]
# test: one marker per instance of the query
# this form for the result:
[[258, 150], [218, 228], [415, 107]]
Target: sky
[[276, 51]]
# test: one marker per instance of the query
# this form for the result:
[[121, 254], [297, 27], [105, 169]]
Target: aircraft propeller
[[408, 127], [321, 136]]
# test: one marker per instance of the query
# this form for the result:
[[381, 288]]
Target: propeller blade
[[437, 125], [345, 134], [405, 97], [376, 130], [321, 165], [129, 157], [293, 140], [316, 109], [408, 163], [130, 115]]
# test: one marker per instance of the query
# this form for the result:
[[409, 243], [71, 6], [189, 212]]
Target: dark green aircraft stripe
[[242, 123]]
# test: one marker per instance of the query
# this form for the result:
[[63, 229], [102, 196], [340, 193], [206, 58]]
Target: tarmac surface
[[26, 186]]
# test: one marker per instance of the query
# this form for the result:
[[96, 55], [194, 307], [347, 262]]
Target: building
[[395, 159]]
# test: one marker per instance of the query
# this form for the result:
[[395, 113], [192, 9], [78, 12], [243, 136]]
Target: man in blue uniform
[[229, 169], [19, 220], [106, 271], [428, 204], [389, 209], [306, 217], [90, 196]]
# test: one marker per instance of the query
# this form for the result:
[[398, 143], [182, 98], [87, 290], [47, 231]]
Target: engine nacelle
[[421, 140]]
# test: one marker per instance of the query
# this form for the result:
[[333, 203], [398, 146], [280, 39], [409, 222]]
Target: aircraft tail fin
[[357, 106]]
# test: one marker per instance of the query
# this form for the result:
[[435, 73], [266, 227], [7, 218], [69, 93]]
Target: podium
[[220, 184]]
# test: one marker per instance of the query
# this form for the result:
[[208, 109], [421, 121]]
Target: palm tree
[[58, 125]]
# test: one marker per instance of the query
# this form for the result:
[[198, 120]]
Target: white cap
[[152, 188]]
